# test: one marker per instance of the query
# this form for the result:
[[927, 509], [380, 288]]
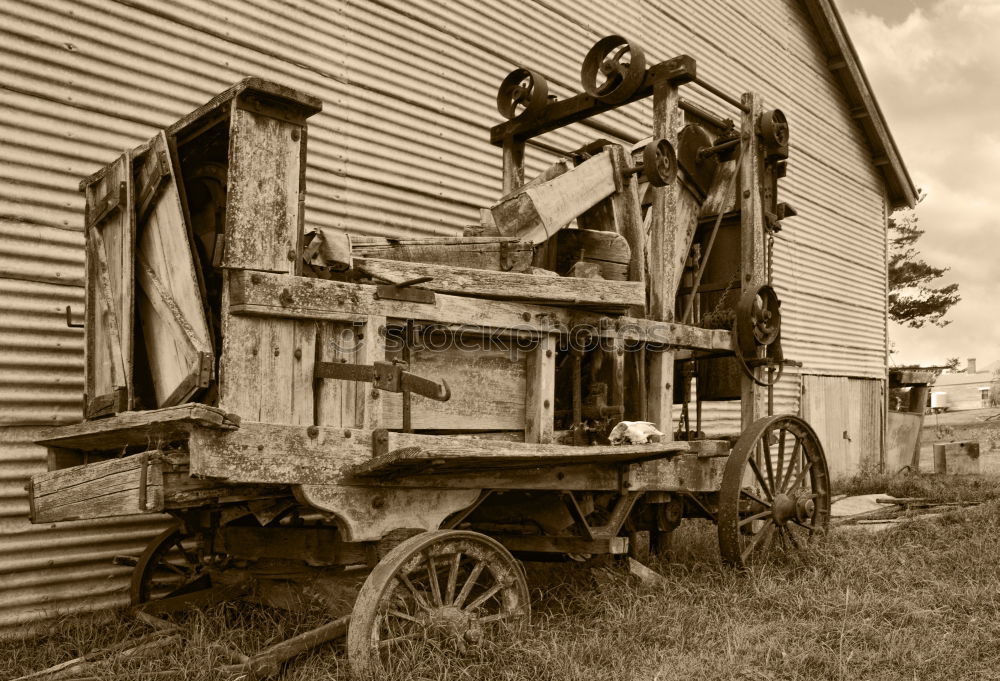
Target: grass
[[919, 601]]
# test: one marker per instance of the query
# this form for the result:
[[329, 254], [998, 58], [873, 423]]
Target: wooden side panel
[[487, 390], [126, 486], [171, 310], [336, 402], [266, 372], [109, 296], [539, 394], [264, 219]]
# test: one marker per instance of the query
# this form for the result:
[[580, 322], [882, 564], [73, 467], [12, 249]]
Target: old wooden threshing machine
[[411, 416]]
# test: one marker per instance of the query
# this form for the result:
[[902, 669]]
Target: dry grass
[[919, 601]]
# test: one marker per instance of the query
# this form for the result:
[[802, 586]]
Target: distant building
[[969, 389]]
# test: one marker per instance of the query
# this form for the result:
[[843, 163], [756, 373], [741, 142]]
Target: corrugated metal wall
[[400, 148]]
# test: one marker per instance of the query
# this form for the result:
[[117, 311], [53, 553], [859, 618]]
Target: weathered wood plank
[[483, 253], [266, 369], [465, 281], [277, 454], [271, 295], [109, 308], [608, 250], [753, 268], [682, 471], [171, 309], [487, 388], [410, 453], [125, 486], [137, 428], [538, 212], [264, 219], [540, 387]]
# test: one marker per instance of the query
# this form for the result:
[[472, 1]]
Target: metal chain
[[770, 258]]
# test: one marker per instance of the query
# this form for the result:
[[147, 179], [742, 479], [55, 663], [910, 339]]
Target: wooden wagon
[[404, 419]]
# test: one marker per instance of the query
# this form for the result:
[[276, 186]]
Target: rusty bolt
[[295, 134], [746, 193], [526, 316], [298, 353], [548, 353], [277, 351], [291, 254], [545, 404], [374, 393], [312, 431], [260, 448], [254, 278], [347, 433]]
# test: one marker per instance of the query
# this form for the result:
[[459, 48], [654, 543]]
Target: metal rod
[[702, 112], [548, 147], [711, 89], [711, 242]]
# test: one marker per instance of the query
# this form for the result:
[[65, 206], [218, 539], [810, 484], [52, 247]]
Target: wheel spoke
[[175, 569], [792, 538], [765, 451], [793, 462], [756, 516], [403, 616], [492, 591], [760, 478], [449, 596], [469, 583], [506, 614], [385, 643], [747, 493], [766, 529], [417, 596], [781, 456], [432, 576], [800, 476]]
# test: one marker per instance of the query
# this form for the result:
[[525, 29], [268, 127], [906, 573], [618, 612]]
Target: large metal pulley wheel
[[171, 565], [613, 69], [523, 94], [698, 168], [758, 319], [774, 133], [775, 494], [448, 590], [659, 162]]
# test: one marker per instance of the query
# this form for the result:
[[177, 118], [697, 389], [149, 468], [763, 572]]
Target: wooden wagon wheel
[[775, 493], [169, 566], [448, 587]]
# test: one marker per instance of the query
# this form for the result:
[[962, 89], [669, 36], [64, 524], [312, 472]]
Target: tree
[[952, 363], [913, 300]]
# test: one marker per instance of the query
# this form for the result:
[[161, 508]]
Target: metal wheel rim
[[533, 97], [156, 576], [630, 78], [488, 585], [771, 512]]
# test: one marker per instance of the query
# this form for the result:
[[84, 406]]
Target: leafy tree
[[913, 300], [952, 363]]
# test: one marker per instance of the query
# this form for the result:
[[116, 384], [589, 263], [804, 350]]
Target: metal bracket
[[388, 376], [400, 292], [114, 199], [69, 320]]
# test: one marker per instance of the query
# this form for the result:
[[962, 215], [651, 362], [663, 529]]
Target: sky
[[935, 68]]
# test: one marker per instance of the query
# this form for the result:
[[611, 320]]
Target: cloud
[[936, 74]]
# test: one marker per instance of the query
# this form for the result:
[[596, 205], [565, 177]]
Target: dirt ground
[[956, 426]]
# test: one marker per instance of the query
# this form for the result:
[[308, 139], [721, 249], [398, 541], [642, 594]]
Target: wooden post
[[540, 390], [513, 165], [661, 263], [753, 265]]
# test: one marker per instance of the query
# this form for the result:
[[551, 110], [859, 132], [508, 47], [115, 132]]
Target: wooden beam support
[[410, 454], [273, 295], [540, 391], [753, 264], [467, 281]]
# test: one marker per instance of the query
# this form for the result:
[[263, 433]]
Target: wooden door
[[110, 245], [172, 315], [825, 406]]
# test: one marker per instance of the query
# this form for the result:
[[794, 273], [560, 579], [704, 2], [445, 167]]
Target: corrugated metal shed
[[400, 148]]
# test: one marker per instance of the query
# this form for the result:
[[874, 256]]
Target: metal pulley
[[522, 94], [774, 133], [613, 69], [699, 168], [659, 162], [758, 334]]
